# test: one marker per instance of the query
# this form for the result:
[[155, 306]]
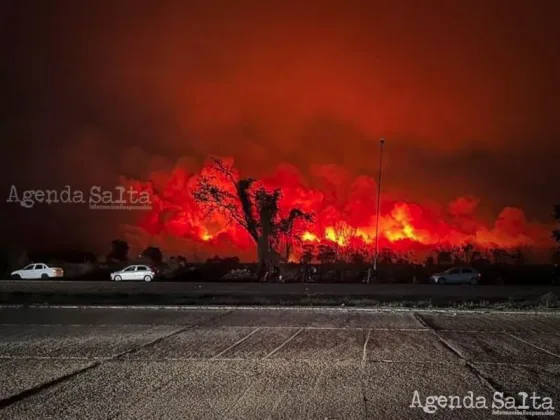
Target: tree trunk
[[263, 253], [288, 250], [263, 243]]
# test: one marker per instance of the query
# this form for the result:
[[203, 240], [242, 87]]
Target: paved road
[[275, 289], [291, 364]]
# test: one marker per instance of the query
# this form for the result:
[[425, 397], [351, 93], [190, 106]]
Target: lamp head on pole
[[382, 141]]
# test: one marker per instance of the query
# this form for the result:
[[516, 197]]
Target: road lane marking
[[364, 357], [84, 358], [488, 382], [236, 343], [534, 345], [98, 362], [283, 344]]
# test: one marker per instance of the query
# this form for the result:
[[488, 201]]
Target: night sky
[[466, 92]]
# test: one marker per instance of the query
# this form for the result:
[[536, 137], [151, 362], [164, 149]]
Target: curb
[[285, 308]]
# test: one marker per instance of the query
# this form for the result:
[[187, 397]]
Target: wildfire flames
[[344, 216]]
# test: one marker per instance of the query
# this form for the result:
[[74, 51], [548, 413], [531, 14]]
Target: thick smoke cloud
[[464, 94]]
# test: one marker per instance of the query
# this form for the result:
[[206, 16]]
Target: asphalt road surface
[[276, 289], [200, 363]]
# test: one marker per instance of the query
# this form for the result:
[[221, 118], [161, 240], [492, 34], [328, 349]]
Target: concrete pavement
[[267, 363]]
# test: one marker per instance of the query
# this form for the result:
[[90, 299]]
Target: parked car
[[38, 271], [457, 275], [135, 272]]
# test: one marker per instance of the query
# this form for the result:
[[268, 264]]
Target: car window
[[141, 268], [29, 267], [467, 271], [129, 268], [38, 266], [455, 271]]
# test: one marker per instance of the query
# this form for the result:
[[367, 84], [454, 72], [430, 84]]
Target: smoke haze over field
[[465, 92]]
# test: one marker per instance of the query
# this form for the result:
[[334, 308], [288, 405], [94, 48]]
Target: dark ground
[[266, 364], [177, 293]]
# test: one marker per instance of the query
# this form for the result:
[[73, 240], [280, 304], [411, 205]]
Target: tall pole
[[381, 143]]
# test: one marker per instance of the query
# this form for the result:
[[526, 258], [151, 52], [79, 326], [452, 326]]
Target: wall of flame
[[344, 217]]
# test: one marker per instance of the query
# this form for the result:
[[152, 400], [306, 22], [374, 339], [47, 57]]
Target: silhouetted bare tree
[[251, 206]]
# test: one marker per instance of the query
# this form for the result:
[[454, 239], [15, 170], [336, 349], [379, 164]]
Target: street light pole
[[381, 143]]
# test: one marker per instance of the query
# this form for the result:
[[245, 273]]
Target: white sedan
[[38, 271], [134, 272]]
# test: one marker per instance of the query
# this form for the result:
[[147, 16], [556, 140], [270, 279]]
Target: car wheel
[[44, 276], [441, 280], [148, 278], [118, 278], [16, 277], [474, 281]]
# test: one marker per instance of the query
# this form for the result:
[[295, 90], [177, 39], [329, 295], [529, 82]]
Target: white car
[[134, 272], [38, 271], [457, 275]]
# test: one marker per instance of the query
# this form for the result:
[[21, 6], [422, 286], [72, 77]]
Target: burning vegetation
[[283, 217]]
